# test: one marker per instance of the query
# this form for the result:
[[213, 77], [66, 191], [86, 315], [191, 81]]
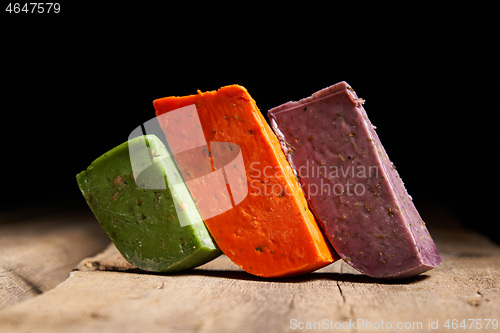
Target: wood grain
[[38, 252], [219, 297]]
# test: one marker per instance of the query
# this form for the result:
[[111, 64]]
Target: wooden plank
[[38, 252], [220, 297]]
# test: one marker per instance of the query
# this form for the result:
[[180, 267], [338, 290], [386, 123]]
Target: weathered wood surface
[[107, 294], [39, 250]]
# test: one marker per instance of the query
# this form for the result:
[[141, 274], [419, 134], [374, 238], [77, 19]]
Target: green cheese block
[[145, 207]]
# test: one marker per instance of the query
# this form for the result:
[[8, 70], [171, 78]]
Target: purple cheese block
[[352, 188]]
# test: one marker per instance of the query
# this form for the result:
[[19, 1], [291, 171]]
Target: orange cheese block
[[241, 182]]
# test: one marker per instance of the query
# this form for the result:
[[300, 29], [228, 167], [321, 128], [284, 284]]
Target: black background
[[75, 84]]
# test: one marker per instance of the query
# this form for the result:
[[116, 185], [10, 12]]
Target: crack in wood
[[341, 292]]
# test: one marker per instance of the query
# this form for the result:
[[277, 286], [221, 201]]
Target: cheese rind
[[352, 187], [142, 213]]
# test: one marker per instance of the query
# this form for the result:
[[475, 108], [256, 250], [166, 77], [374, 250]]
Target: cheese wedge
[[353, 189], [241, 182], [139, 198]]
